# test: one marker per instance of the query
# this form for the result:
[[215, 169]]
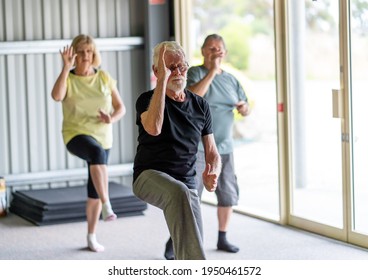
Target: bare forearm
[[59, 90], [214, 159], [202, 86], [153, 118], [118, 114], [118, 106]]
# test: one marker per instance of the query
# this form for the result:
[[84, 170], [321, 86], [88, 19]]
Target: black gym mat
[[63, 205], [58, 198]]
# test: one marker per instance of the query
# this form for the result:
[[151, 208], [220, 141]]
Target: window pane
[[359, 139], [315, 134]]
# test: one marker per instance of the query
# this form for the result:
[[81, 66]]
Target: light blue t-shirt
[[224, 92]]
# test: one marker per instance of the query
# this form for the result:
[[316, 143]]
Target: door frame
[[296, 221], [345, 234]]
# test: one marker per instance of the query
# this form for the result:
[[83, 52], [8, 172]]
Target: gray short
[[227, 191]]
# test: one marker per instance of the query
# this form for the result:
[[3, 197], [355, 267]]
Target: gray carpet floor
[[143, 238]]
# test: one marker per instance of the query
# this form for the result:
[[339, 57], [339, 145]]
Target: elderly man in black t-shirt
[[172, 121]]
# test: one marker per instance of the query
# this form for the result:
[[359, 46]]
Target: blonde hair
[[171, 46], [86, 39]]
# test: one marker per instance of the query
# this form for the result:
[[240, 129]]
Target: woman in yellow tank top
[[91, 103]]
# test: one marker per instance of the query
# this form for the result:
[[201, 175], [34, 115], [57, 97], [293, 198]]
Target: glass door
[[326, 187], [248, 30], [315, 134], [359, 114]]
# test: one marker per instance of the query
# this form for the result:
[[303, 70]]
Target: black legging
[[87, 148]]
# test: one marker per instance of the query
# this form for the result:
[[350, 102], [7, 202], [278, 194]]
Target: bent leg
[[87, 148], [181, 210]]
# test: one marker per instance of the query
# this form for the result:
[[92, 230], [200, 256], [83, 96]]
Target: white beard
[[176, 86]]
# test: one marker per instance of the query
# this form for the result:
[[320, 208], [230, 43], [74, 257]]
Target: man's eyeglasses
[[181, 67]]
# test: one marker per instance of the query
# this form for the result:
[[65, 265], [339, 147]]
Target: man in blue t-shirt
[[171, 122], [224, 93]]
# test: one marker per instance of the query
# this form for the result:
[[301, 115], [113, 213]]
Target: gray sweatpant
[[181, 207]]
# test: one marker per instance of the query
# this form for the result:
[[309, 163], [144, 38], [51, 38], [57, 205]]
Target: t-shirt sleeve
[[193, 75], [141, 106], [207, 128], [240, 91], [108, 80]]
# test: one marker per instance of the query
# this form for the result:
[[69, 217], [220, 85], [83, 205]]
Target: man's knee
[[180, 191]]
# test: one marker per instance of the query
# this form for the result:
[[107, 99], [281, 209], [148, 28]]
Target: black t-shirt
[[174, 150]]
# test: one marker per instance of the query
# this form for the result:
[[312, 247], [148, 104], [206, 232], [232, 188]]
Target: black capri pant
[[86, 147]]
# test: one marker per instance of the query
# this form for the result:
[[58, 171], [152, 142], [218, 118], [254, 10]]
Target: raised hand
[[68, 56], [162, 71], [215, 57]]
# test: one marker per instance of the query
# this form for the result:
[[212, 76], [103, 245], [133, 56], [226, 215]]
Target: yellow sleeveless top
[[85, 96]]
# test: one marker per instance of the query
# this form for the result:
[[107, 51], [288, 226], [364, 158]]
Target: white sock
[[93, 245], [107, 212]]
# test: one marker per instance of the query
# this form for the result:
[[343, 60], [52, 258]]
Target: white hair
[[171, 46]]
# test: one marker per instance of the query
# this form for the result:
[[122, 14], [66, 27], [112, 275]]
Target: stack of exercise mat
[[64, 205]]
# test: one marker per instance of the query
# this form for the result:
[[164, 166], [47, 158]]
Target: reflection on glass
[[315, 134], [359, 98]]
